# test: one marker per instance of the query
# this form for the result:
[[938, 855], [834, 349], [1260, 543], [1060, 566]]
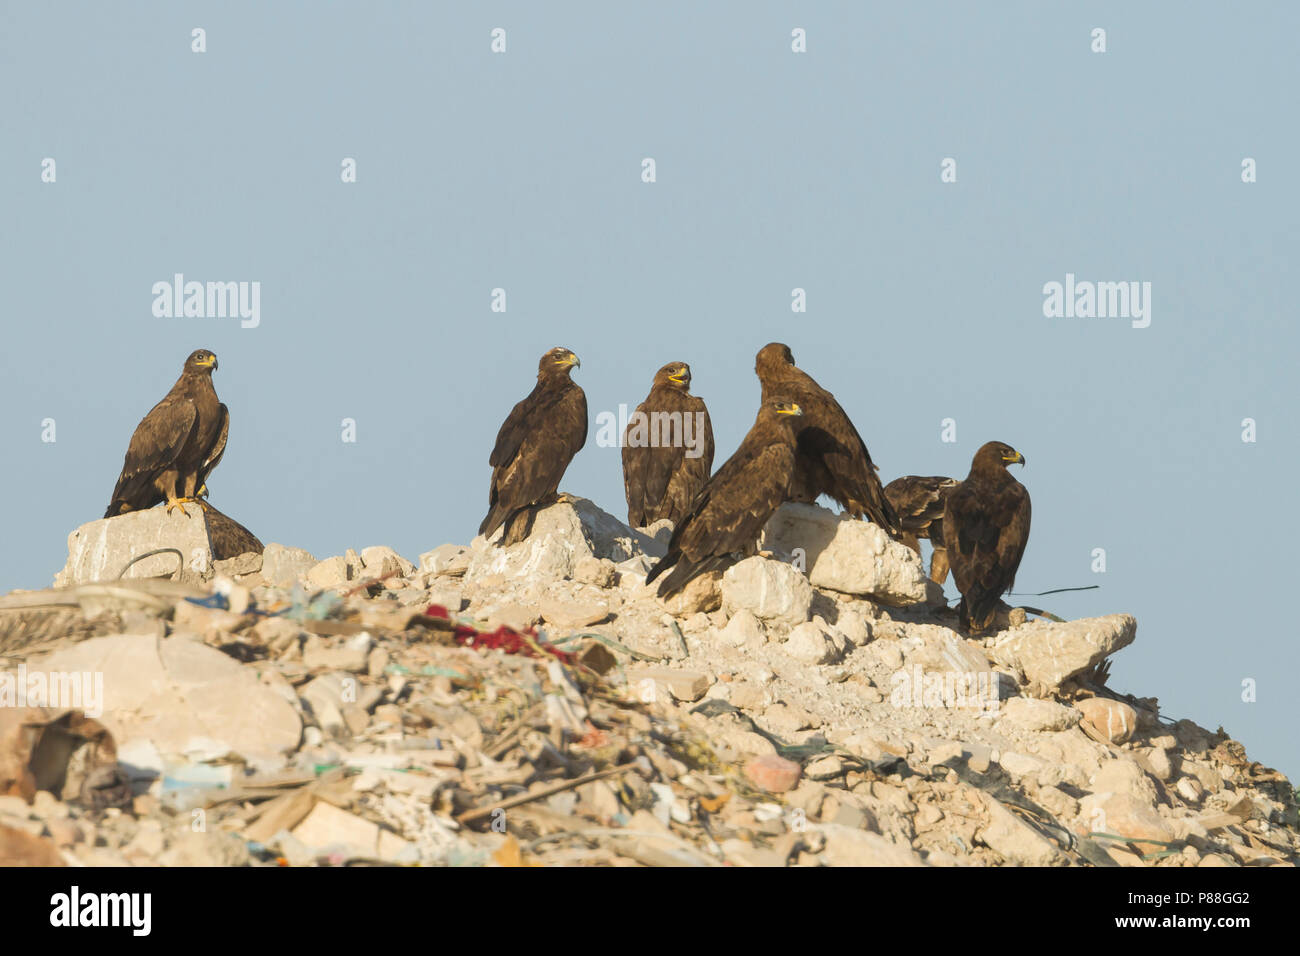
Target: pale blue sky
[[775, 171]]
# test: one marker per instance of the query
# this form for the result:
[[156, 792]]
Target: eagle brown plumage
[[832, 460], [534, 447], [918, 506], [986, 528], [730, 511], [227, 537], [667, 449], [176, 445]]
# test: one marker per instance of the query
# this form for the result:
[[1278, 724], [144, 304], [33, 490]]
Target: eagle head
[[557, 360], [674, 373], [201, 360], [998, 454], [773, 356]]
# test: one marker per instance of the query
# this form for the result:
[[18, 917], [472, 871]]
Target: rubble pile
[[538, 705]]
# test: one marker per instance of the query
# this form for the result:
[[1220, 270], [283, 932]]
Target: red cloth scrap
[[503, 639]]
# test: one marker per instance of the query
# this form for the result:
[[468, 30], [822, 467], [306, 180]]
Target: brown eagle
[[918, 505], [667, 449], [986, 528], [534, 447], [229, 538], [731, 509], [177, 444], [832, 459]]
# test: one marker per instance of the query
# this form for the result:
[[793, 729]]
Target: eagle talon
[[178, 503]]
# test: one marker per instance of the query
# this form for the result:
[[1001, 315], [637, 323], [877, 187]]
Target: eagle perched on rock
[[177, 445], [731, 509], [667, 449], [534, 447], [832, 458], [986, 528], [918, 505]]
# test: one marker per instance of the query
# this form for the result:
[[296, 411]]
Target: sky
[[828, 171]]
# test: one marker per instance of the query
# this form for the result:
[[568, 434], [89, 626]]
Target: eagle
[[986, 528], [918, 505], [534, 446], [730, 511], [832, 458], [229, 538], [176, 446], [667, 449]]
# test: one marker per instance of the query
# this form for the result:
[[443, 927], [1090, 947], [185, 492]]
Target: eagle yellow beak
[[570, 359], [206, 362], [679, 378], [792, 410], [1016, 459]]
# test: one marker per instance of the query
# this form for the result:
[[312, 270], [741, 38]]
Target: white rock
[[1015, 840], [562, 534], [282, 567], [847, 846], [810, 644], [846, 554], [171, 691], [380, 560], [100, 550], [743, 630], [445, 559], [1050, 653], [771, 590], [1028, 713]]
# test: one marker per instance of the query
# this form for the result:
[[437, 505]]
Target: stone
[[810, 644], [353, 654], [172, 691], [517, 616], [1161, 766], [326, 827], [379, 560], [1113, 719], [248, 563], [1124, 776], [854, 625], [684, 685], [1016, 841], [743, 630], [847, 554], [562, 534], [773, 774], [448, 559], [1125, 815], [329, 573], [101, 550], [770, 590], [1036, 716], [1018, 764], [939, 649], [283, 567], [702, 594], [850, 846], [572, 615], [1050, 653], [600, 572]]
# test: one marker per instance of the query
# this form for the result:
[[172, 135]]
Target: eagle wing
[[155, 446], [533, 450], [213, 456]]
